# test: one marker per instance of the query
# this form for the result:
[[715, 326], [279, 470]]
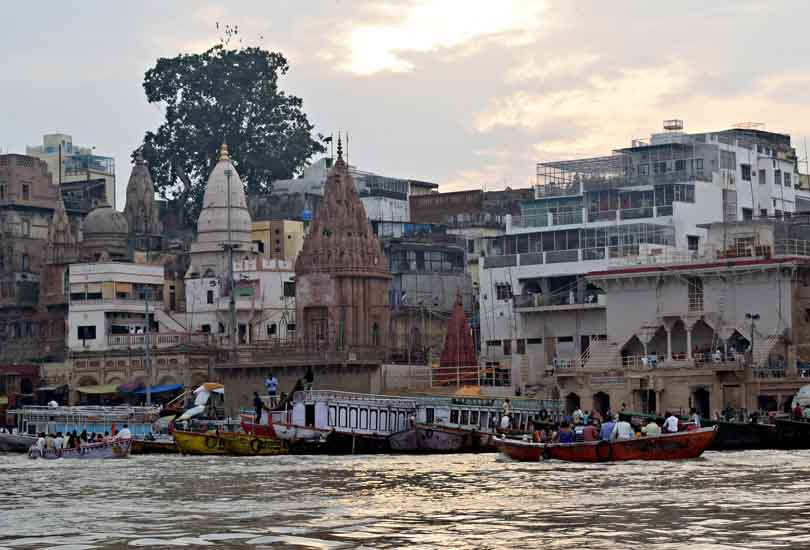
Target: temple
[[342, 273], [141, 211], [458, 364]]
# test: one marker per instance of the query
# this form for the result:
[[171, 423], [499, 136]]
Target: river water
[[755, 499]]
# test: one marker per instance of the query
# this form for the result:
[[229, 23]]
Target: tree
[[223, 95]]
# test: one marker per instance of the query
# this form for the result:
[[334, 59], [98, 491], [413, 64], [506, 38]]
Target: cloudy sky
[[466, 93]]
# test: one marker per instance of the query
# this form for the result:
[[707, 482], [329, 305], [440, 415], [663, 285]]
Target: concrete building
[[72, 163], [278, 239]]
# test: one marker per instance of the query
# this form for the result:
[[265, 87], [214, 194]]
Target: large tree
[[223, 95]]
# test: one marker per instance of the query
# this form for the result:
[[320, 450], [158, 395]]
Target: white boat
[[117, 448], [16, 443]]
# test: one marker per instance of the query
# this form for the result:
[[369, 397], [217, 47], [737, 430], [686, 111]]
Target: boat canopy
[[98, 389], [129, 387], [160, 389]]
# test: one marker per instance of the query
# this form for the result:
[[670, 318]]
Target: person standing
[[695, 417], [671, 423], [272, 386], [309, 378], [258, 404]]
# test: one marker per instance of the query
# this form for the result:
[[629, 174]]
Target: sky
[[470, 94]]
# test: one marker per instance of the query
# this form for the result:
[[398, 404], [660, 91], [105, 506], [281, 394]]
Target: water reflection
[[724, 500]]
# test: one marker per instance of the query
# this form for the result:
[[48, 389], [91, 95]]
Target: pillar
[[669, 343], [689, 342]]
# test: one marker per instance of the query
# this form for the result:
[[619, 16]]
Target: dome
[[105, 220], [212, 225]]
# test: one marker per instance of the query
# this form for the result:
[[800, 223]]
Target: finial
[[223, 152], [340, 149], [139, 155]]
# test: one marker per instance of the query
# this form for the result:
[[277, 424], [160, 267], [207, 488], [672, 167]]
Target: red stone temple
[[458, 363], [342, 273]]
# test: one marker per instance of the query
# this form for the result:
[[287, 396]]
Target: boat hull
[[250, 427], [195, 443], [678, 446], [793, 434], [738, 436], [115, 449], [242, 444], [10, 443], [149, 447]]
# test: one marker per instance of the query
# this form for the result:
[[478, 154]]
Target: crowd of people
[[584, 426], [73, 440]]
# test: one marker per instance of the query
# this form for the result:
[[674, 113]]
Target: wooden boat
[[16, 443], [426, 439], [243, 444], [117, 448], [677, 446], [198, 443], [153, 446], [249, 426], [793, 434]]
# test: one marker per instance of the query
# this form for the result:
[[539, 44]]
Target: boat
[[146, 446], [16, 443], [244, 444], [249, 426], [117, 448], [343, 422], [793, 434], [676, 446], [199, 443], [469, 424]]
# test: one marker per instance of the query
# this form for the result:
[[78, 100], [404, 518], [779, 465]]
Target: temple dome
[[212, 225], [107, 221]]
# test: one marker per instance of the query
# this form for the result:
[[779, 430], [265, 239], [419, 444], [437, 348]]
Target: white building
[[647, 204], [264, 289], [68, 162], [107, 305]]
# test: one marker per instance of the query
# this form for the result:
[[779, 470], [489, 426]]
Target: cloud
[[429, 26]]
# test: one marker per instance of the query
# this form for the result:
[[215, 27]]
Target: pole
[[232, 301], [147, 360]]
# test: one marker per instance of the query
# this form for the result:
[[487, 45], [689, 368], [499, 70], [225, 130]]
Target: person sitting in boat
[[124, 433], [59, 442], [806, 413], [506, 422], [622, 431], [671, 423], [606, 433], [798, 414], [41, 443], [694, 417], [589, 432], [49, 441], [565, 434], [577, 416], [651, 428]]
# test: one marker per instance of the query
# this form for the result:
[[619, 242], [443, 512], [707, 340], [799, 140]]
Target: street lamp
[[753, 317]]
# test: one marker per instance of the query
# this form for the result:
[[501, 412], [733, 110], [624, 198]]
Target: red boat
[[249, 426], [677, 446]]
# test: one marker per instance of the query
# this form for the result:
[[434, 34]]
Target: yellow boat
[[243, 444], [196, 443], [227, 443]]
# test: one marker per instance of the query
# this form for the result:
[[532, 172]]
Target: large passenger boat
[[468, 424], [676, 446], [344, 422]]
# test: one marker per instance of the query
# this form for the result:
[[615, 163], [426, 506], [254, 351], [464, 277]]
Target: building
[[278, 239], [654, 203], [73, 163], [263, 292], [141, 210]]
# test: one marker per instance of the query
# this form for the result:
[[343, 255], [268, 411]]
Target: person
[[124, 433], [651, 429], [695, 417], [717, 356], [77, 441], [83, 436], [272, 386], [59, 442], [589, 432], [53, 404], [309, 378], [624, 407], [506, 422], [49, 441], [565, 434], [797, 412], [622, 430], [671, 423], [596, 416], [586, 417], [106, 437], [258, 404], [506, 408], [607, 429], [577, 416], [41, 443]]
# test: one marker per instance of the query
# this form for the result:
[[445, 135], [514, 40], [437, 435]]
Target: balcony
[[562, 301], [158, 340]]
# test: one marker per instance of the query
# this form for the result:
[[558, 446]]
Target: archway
[[633, 348], [601, 402], [702, 402], [571, 403], [166, 380], [87, 381]]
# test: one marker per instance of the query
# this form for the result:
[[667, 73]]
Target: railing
[[330, 395], [663, 211], [158, 339], [602, 216], [636, 213]]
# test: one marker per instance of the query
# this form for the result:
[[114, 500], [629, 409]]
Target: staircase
[[170, 323], [600, 355]]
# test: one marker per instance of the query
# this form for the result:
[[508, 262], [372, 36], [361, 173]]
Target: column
[[669, 343], [689, 342]]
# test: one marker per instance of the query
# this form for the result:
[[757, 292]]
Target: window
[[521, 347], [26, 191], [534, 341], [259, 246], [493, 343], [746, 172], [2, 192], [747, 214], [26, 228], [470, 246], [692, 242], [221, 328], [503, 291], [332, 418], [763, 212], [565, 339], [289, 289], [507, 347], [695, 292], [206, 329], [272, 329], [25, 262], [209, 298], [429, 415], [87, 332], [474, 418], [762, 177], [777, 177], [453, 416], [787, 177]]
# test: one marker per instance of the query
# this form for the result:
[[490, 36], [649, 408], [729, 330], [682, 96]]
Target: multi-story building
[[649, 203], [278, 239], [73, 163]]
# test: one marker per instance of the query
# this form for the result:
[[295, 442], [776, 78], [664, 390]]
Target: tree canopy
[[223, 95]]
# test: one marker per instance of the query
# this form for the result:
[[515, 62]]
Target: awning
[[129, 387], [123, 287], [161, 389], [94, 288], [99, 389], [108, 290]]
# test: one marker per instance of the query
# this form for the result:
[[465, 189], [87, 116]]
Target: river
[[755, 499]]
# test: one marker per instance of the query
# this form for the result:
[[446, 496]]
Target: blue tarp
[[161, 389]]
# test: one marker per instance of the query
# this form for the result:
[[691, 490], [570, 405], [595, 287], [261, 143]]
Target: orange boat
[[677, 446]]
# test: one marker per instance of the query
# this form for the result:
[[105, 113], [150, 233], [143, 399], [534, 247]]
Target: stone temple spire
[[62, 243], [140, 210], [458, 361]]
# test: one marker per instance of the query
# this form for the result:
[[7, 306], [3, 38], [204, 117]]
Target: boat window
[[484, 419], [453, 416], [465, 417], [342, 417], [353, 417], [372, 425], [383, 420], [474, 418], [429, 415], [332, 415], [364, 419], [402, 424]]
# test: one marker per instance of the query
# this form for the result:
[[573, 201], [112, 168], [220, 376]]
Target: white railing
[[157, 339]]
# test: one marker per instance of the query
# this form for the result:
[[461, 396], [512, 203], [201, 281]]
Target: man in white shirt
[[671, 423], [623, 431], [41, 442], [694, 417], [577, 416], [124, 433], [59, 442]]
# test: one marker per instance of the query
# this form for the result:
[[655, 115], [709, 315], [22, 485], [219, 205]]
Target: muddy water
[[724, 500]]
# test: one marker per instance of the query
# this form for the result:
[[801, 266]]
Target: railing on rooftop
[[159, 339]]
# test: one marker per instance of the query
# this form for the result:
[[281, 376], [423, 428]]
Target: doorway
[[571, 403], [601, 402], [702, 402]]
